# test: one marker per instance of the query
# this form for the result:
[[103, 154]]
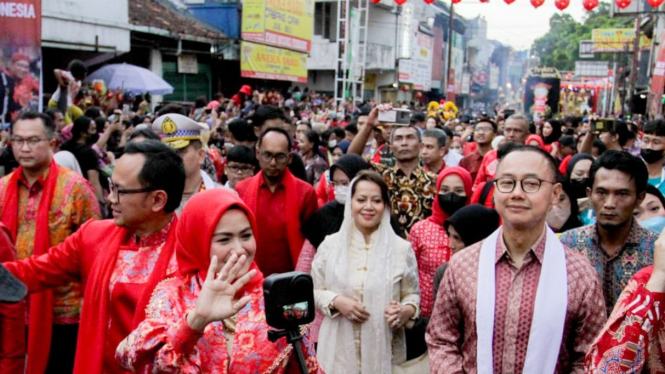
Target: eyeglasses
[[280, 158], [529, 185], [240, 169], [483, 129], [32, 142], [116, 192]]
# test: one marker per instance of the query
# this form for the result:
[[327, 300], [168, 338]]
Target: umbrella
[[131, 78]]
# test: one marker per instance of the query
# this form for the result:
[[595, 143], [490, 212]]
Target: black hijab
[[574, 160], [473, 223], [328, 219]]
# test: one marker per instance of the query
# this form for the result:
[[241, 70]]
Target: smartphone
[[602, 125], [508, 112], [396, 116], [125, 109]]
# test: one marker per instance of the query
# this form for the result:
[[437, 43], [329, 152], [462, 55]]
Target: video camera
[[289, 304]]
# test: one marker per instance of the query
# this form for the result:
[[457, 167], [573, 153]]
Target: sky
[[518, 24]]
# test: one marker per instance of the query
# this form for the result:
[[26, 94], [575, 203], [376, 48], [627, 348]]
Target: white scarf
[[549, 313]]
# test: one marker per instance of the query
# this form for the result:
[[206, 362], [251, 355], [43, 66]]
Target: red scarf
[[94, 319], [41, 304], [438, 215], [294, 204]]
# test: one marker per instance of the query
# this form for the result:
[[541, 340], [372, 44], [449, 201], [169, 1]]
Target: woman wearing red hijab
[[429, 238], [211, 318], [535, 141]]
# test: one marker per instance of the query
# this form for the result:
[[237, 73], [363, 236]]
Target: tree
[[559, 47]]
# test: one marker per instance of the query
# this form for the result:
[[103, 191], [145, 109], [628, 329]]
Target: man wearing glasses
[[42, 204], [483, 133], [184, 135], [519, 301], [280, 202], [119, 262]]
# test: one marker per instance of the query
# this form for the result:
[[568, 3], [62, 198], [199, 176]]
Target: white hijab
[[337, 350]]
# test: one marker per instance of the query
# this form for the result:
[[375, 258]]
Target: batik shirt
[[164, 342], [73, 204], [633, 338], [615, 271], [411, 197]]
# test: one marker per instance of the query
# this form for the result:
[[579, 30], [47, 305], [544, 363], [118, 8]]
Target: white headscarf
[[337, 351]]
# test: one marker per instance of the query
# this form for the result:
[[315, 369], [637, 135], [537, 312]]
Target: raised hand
[[215, 302]]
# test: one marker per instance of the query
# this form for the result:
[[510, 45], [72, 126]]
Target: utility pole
[[633, 69], [450, 47]]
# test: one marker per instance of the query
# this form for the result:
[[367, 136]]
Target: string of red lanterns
[[560, 4]]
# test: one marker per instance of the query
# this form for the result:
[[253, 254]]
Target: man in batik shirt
[[412, 188], [42, 204]]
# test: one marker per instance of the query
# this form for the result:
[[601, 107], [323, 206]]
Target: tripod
[[293, 337]]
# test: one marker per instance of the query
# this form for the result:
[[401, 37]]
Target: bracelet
[[331, 305]]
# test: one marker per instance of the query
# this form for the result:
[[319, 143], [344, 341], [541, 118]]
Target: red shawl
[[41, 304], [294, 205], [438, 215], [537, 139], [94, 319]]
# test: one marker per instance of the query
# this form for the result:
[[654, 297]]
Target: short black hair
[[241, 154], [656, 127], [597, 143], [93, 112], [81, 125], [551, 162], [241, 130], [352, 128], [275, 129], [49, 125], [653, 190], [163, 170], [170, 109], [339, 133], [623, 162], [495, 127], [78, 69], [622, 131], [437, 134], [449, 132], [51, 112], [267, 112], [146, 133], [100, 122]]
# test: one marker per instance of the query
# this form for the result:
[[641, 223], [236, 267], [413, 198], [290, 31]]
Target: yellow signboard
[[282, 23], [266, 62], [616, 40]]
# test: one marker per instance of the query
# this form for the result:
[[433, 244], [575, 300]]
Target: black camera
[[289, 300]]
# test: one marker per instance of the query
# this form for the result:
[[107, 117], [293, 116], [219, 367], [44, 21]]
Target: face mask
[[455, 150], [451, 202], [557, 217], [332, 143], [651, 156], [341, 193], [579, 187], [92, 139]]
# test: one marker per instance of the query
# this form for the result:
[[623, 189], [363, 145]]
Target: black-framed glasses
[[529, 185], [116, 192], [240, 169], [280, 158]]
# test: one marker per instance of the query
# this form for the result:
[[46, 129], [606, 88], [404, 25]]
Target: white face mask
[[557, 217], [341, 193], [456, 150], [332, 143]]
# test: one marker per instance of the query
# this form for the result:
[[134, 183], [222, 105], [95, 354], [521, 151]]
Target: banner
[[20, 58], [265, 62], [418, 69], [616, 40], [281, 23], [657, 82]]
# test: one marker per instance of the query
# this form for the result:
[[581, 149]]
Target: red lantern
[[537, 3], [375, 1], [509, 1], [418, 95], [456, 1], [400, 2], [562, 4], [622, 3], [590, 4], [429, 1], [655, 3], [405, 87]]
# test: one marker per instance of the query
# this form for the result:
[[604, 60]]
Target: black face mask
[[92, 139], [579, 187], [451, 202], [651, 155]]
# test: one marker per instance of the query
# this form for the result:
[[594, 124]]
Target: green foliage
[[560, 46]]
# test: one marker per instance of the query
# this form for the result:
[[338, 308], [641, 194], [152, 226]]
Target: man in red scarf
[[280, 201], [42, 204], [119, 261]]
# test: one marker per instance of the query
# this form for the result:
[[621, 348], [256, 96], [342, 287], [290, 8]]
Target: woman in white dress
[[366, 284]]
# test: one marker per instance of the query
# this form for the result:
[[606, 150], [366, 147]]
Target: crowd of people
[[477, 244]]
